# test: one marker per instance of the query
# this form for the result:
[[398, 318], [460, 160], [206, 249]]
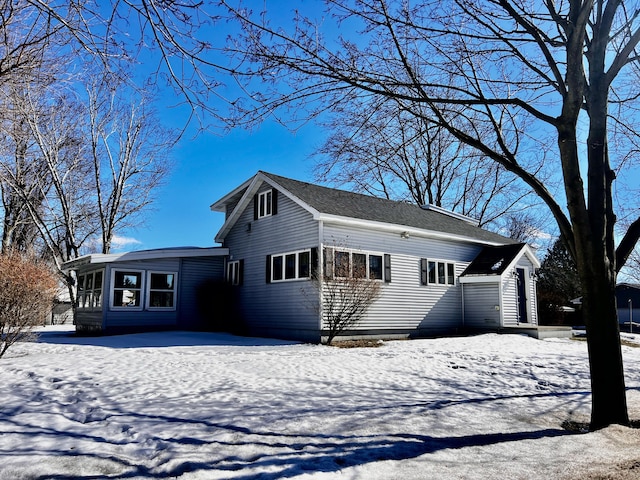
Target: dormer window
[[265, 204]]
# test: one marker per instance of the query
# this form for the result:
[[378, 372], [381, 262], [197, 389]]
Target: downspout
[[462, 295], [320, 271]]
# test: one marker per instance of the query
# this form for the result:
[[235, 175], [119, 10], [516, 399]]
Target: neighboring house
[[628, 299], [439, 272], [148, 289]]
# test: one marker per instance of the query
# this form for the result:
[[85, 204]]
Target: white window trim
[[268, 205], [147, 300], [297, 266], [367, 254], [112, 289], [446, 273], [91, 308]]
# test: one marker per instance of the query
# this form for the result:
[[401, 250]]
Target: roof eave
[[394, 227]]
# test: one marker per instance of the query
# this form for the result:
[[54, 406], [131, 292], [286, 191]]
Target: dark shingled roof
[[358, 206], [493, 260]]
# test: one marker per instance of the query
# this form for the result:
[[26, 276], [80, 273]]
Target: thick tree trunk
[[609, 404]]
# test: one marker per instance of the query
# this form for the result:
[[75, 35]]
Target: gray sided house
[[628, 299], [150, 289], [439, 273]]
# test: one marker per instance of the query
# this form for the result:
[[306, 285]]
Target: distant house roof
[[331, 203], [170, 252]]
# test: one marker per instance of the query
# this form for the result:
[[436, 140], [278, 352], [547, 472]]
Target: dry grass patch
[[361, 343]]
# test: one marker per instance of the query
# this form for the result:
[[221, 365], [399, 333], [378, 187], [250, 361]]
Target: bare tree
[[525, 84], [390, 152], [129, 157], [27, 289]]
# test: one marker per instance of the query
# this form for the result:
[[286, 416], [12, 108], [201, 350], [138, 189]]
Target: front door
[[522, 296]]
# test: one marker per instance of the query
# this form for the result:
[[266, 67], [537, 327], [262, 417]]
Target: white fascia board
[[481, 279], [219, 205], [95, 258], [253, 188], [396, 228]]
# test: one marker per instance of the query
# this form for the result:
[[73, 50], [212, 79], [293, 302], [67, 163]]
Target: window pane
[[276, 267], [304, 262], [432, 272], [127, 279], [359, 265], [375, 267], [290, 266], [98, 280], [441, 274], [161, 281], [450, 274], [342, 264], [89, 284], [97, 298], [268, 203], [80, 283], [161, 299]]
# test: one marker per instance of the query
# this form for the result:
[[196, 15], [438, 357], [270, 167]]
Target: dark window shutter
[[328, 263], [268, 270], [314, 262], [240, 271], [255, 206], [387, 268], [274, 201], [423, 271]]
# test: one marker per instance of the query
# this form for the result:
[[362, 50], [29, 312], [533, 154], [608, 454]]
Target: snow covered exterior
[[148, 289], [279, 232]]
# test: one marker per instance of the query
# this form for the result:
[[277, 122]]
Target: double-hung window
[[436, 272], [234, 272], [90, 290], [161, 290], [127, 289], [265, 204], [289, 266]]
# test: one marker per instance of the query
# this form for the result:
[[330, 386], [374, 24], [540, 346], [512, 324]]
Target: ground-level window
[[289, 266], [127, 289], [162, 290], [234, 272], [344, 263], [437, 272], [90, 290]]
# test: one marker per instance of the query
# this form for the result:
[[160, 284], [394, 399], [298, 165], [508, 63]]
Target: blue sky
[[209, 166]]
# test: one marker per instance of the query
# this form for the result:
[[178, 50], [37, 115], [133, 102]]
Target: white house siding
[[275, 309], [509, 301], [140, 318], [405, 306], [480, 302]]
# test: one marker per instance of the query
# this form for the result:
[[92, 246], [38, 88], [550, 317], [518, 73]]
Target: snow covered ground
[[213, 406]]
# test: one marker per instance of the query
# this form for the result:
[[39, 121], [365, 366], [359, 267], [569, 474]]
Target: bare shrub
[[27, 288], [346, 296]]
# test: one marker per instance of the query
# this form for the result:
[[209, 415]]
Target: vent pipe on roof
[[449, 213]]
